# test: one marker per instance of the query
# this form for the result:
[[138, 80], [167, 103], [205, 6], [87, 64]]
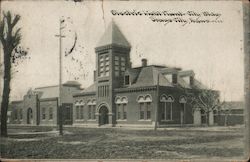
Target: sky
[[213, 51]]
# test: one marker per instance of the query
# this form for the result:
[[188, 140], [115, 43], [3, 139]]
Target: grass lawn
[[114, 143]]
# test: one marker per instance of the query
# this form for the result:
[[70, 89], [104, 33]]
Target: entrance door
[[103, 118], [29, 116], [67, 113]]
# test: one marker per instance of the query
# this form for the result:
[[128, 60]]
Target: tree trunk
[[6, 93]]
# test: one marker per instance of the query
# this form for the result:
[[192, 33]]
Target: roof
[[48, 92], [89, 90], [147, 76], [53, 91], [113, 35], [233, 105]]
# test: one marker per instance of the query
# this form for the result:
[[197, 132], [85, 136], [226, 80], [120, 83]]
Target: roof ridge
[[46, 87]]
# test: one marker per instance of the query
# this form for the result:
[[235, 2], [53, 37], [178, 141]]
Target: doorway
[[29, 116], [103, 118]]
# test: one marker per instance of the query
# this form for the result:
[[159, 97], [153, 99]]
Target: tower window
[[126, 80], [103, 65]]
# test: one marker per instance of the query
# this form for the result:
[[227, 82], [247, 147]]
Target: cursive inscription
[[179, 17]]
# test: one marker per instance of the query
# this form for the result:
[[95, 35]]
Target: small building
[[231, 113], [40, 106]]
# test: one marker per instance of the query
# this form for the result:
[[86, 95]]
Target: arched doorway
[[29, 116], [103, 117]]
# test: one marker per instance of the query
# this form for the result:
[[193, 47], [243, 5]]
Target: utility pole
[[157, 102], [60, 77]]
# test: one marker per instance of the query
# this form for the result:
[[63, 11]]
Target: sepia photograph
[[124, 80]]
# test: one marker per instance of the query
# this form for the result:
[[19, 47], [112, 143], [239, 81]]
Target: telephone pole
[[60, 77]]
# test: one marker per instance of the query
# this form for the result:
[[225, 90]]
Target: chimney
[[144, 62], [94, 75]]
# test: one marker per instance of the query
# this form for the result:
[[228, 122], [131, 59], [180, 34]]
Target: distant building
[[231, 113], [121, 95]]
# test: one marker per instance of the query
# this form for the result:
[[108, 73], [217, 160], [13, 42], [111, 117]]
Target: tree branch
[[2, 32], [15, 21]]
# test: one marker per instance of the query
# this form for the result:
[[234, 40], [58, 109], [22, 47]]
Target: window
[[43, 113], [148, 110], [50, 113], [166, 107], [21, 114], [118, 111], [122, 59], [103, 91], [144, 107], [81, 112], [121, 110], [15, 114], [93, 111], [77, 112], [124, 111], [116, 68], [126, 80], [121, 107], [141, 111], [90, 112], [122, 64], [103, 65]]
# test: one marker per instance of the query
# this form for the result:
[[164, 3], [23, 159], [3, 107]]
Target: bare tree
[[207, 100], [10, 39]]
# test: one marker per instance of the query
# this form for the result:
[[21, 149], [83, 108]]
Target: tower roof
[[113, 35]]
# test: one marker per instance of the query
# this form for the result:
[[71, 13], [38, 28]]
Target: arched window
[[144, 107], [140, 99], [121, 107], [166, 107], [81, 111], [91, 104], [77, 111]]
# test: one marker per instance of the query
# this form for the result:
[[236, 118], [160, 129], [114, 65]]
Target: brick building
[[125, 96], [40, 106], [121, 95]]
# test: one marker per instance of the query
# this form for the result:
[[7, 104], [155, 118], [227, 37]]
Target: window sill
[[167, 120], [121, 120], [145, 120], [91, 120], [79, 120]]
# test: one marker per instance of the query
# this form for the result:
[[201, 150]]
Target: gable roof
[[53, 91], [48, 92], [113, 35]]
